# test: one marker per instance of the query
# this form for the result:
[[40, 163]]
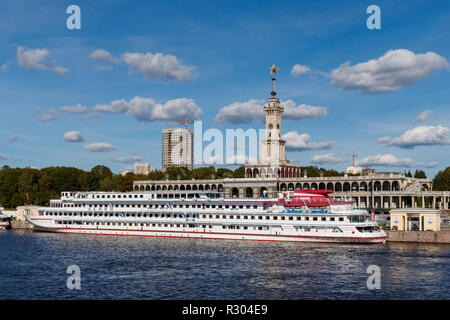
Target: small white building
[[353, 170]]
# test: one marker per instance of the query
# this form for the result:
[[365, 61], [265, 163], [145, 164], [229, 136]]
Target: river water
[[34, 266]]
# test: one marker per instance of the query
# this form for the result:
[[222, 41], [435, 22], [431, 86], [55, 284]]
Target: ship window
[[314, 218], [245, 217], [282, 218], [241, 207], [267, 217], [299, 218], [341, 219], [253, 217], [331, 219], [324, 219], [227, 206], [255, 207], [217, 217], [275, 218], [307, 218], [260, 217], [248, 207], [291, 218]]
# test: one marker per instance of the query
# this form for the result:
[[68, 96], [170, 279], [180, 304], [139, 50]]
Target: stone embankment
[[20, 225], [442, 236]]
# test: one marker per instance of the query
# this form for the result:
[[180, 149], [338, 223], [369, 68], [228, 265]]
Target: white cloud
[[146, 109], [14, 138], [51, 115], [176, 109], [33, 58], [158, 66], [423, 116], [73, 136], [394, 70], [241, 112], [252, 110], [103, 55], [420, 136], [384, 139], [102, 68], [130, 159], [389, 160], [6, 157], [302, 111], [299, 70], [100, 147], [79, 109], [327, 158], [4, 68], [300, 142]]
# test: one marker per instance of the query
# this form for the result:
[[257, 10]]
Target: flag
[[373, 214], [28, 198]]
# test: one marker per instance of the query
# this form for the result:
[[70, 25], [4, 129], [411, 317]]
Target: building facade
[[177, 148], [141, 168], [379, 190]]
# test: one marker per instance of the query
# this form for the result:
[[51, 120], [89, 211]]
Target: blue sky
[[199, 58]]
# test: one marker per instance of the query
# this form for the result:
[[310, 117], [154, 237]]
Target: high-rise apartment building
[[177, 148]]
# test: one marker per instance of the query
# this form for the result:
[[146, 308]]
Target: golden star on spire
[[273, 69]]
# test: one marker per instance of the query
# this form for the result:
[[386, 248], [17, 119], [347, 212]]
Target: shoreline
[[436, 237]]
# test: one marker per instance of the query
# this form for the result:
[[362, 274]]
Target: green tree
[[224, 173], [420, 174], [239, 172], [441, 181]]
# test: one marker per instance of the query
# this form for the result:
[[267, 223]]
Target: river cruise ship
[[302, 216]]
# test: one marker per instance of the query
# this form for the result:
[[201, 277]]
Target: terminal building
[[273, 173]]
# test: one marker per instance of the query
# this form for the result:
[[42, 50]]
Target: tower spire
[[273, 72]]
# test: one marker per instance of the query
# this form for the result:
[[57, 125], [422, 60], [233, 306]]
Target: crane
[[353, 155], [179, 122]]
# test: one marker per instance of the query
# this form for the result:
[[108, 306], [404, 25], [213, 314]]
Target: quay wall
[[442, 236], [20, 225]]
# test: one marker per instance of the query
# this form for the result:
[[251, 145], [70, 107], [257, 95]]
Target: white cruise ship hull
[[287, 235]]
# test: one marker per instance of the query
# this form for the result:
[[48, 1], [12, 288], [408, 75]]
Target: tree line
[[17, 185]]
